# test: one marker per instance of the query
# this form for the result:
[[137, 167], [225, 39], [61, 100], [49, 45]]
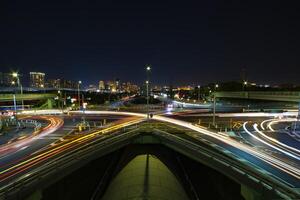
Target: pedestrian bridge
[[291, 96]]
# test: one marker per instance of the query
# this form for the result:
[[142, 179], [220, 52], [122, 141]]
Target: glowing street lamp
[[148, 69], [17, 76], [245, 83], [79, 83], [198, 92]]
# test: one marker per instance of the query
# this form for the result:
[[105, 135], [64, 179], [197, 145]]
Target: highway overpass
[[254, 182], [260, 95]]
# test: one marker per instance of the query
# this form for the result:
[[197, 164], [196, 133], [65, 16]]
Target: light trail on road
[[30, 162], [219, 136], [54, 124], [280, 144], [275, 162]]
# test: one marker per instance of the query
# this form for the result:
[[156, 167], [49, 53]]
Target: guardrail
[[230, 163], [30, 123], [15, 189]]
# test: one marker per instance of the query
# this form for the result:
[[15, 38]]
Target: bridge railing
[[16, 187], [232, 163], [83, 154]]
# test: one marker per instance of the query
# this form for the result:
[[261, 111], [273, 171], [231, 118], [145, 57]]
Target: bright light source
[[79, 82], [84, 105], [217, 85], [148, 68], [147, 82], [15, 74], [245, 82]]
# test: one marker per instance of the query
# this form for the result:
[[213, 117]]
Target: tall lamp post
[[214, 105], [245, 83], [148, 70], [79, 83], [198, 92], [59, 100], [17, 76]]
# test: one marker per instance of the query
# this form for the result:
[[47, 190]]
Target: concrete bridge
[[261, 95], [254, 184]]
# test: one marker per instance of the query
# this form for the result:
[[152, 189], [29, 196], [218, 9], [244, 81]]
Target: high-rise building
[[61, 84], [37, 79], [101, 85], [112, 86]]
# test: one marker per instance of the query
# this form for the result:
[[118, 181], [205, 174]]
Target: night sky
[[185, 41]]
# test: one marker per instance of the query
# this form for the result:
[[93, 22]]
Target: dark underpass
[[149, 171]]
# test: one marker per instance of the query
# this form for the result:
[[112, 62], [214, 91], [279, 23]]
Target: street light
[[216, 86], [17, 76], [148, 69], [244, 84], [214, 105], [79, 83], [198, 92]]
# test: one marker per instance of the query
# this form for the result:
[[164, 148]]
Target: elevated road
[[279, 176], [259, 95], [244, 172]]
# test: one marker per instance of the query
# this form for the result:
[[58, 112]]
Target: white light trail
[[268, 144]]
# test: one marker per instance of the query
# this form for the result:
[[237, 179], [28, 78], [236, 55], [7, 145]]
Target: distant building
[[37, 79], [101, 85], [61, 83], [53, 83], [112, 86], [69, 84], [129, 88], [92, 88]]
